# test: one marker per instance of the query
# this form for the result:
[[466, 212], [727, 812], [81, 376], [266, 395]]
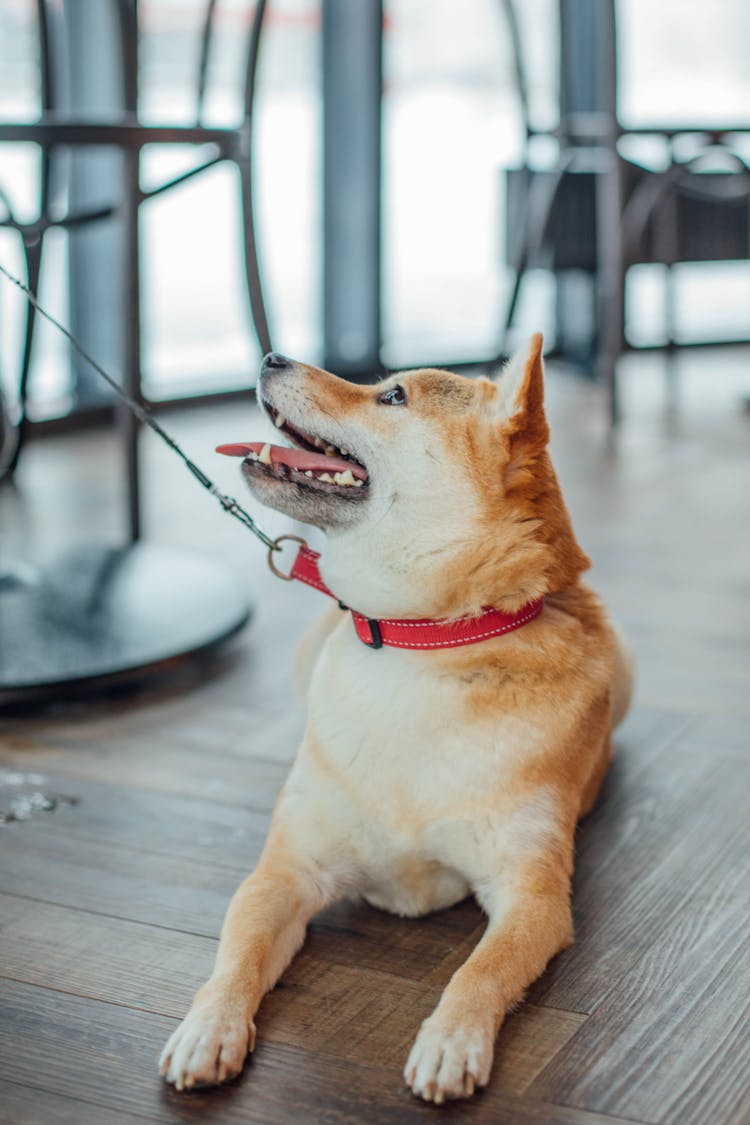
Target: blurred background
[[454, 118]]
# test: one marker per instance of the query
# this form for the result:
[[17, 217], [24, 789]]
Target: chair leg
[[611, 279], [519, 270], [250, 257], [537, 215], [670, 313], [668, 234], [245, 168], [33, 256]]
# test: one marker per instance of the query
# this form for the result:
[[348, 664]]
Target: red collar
[[423, 634]]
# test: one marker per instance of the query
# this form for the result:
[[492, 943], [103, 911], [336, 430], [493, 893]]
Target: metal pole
[[588, 85], [131, 303], [94, 89], [128, 423], [352, 87]]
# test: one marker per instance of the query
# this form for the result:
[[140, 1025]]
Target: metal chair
[[595, 210], [53, 132]]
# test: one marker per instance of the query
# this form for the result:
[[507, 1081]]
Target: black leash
[[228, 503]]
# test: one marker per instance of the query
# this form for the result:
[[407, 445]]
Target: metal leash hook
[[276, 546], [228, 503]]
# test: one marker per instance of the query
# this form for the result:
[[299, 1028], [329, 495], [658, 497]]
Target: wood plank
[[653, 842], [175, 760], [669, 1044], [729, 732], [23, 1105], [354, 933], [179, 827], [529, 1040], [669, 1039], [98, 957], [109, 1061], [353, 1013], [140, 886]]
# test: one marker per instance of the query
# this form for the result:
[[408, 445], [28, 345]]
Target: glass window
[[451, 124], [684, 62]]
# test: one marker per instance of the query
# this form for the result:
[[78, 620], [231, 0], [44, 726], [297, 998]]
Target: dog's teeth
[[326, 477], [309, 473], [358, 483], [344, 452], [345, 477], [317, 442], [265, 455], [280, 420]]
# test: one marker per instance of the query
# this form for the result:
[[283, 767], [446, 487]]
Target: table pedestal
[[99, 616]]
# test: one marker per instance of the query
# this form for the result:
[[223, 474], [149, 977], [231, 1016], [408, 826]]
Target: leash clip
[[276, 546], [376, 637]]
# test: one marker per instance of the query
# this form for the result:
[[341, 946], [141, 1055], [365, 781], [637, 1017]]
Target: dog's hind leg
[[622, 680], [620, 696], [529, 922], [263, 929], [598, 773]]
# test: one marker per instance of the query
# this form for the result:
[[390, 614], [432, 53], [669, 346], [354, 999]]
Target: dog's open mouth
[[315, 463]]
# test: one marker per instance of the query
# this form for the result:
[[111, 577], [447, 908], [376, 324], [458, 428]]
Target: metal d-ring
[[276, 546]]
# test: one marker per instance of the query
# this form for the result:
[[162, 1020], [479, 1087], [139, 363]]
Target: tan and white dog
[[424, 776]]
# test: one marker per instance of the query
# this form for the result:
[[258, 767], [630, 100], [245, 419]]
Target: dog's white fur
[[409, 790]]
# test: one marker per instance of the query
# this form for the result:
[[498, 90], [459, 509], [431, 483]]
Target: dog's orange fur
[[554, 688]]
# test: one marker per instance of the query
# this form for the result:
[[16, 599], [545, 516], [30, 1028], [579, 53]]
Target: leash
[[228, 503]]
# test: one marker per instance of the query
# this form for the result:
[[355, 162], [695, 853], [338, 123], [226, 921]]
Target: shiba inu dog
[[428, 771]]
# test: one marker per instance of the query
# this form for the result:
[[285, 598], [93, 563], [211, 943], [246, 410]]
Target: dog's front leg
[[263, 929], [529, 922]]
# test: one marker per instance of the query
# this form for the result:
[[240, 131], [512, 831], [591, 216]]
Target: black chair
[[54, 131], [595, 210]]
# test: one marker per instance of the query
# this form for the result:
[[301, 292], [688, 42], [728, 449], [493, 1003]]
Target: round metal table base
[[99, 616]]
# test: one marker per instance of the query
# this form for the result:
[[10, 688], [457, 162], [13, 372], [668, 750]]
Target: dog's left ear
[[519, 398]]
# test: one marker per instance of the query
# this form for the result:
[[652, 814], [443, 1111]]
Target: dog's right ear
[[519, 395]]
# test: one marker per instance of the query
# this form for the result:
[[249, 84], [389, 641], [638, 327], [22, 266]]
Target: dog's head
[[436, 491]]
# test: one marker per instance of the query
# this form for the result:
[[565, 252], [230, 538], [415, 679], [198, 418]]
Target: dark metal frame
[[588, 135], [352, 89], [128, 136]]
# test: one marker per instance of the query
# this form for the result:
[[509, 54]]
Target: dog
[[426, 774]]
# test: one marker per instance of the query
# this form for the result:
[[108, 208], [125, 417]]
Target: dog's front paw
[[209, 1047], [450, 1058]]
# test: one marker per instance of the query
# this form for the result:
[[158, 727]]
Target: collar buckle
[[376, 637]]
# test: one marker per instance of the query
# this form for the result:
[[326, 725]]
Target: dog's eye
[[396, 396]]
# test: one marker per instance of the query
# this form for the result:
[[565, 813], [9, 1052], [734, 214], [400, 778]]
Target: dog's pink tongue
[[299, 459]]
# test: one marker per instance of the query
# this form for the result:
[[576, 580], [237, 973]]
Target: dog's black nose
[[275, 361]]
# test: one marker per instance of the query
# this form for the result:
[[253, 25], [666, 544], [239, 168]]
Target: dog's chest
[[394, 767], [392, 726]]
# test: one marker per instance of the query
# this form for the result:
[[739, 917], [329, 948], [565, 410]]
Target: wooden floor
[[111, 900]]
